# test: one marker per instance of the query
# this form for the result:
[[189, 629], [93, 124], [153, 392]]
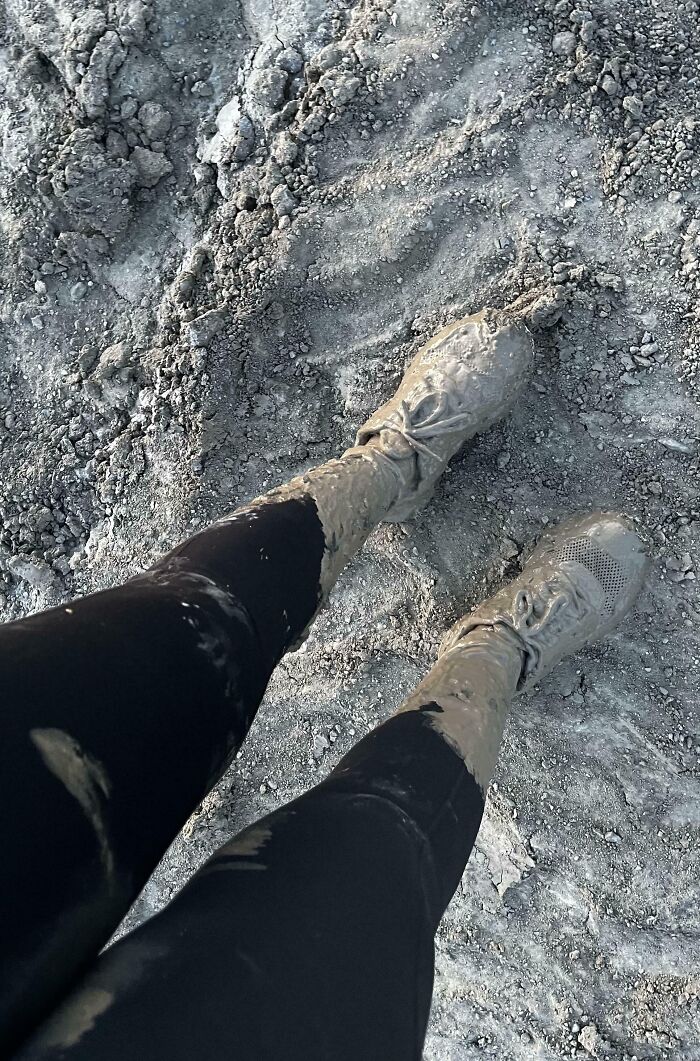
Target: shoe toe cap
[[610, 546]]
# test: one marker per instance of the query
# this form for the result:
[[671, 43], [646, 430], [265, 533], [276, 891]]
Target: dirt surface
[[224, 228]]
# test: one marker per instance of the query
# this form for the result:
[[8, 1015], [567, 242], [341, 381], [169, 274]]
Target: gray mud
[[224, 230]]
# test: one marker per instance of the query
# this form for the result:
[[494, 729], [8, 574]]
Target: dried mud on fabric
[[225, 229]]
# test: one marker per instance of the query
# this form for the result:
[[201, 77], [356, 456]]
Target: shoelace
[[436, 423], [561, 594]]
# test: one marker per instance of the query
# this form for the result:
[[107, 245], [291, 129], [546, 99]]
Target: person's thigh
[[120, 710], [306, 938], [309, 936]]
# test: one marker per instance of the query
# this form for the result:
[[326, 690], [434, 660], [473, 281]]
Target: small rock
[[328, 57], [610, 86], [78, 290], [37, 573], [283, 202], [509, 549], [204, 328], [86, 359], [564, 43], [589, 1038], [285, 150], [246, 139], [202, 89], [113, 359], [610, 281], [290, 60], [346, 89], [676, 446], [116, 145], [321, 744], [128, 108], [265, 89], [155, 120], [151, 166], [633, 105]]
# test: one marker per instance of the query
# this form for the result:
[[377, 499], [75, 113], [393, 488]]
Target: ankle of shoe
[[397, 460], [497, 640]]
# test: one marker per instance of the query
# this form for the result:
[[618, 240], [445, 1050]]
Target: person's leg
[[123, 708], [310, 935]]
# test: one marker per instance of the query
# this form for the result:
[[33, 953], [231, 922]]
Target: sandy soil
[[224, 228]]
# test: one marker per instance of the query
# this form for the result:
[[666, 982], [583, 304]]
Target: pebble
[[290, 60], [321, 744], [155, 120], [564, 43], [589, 1039], [202, 89], [676, 446], [204, 328], [78, 290], [151, 166], [633, 105], [283, 202], [610, 86]]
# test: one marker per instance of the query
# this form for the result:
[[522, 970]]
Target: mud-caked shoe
[[460, 383], [579, 583]]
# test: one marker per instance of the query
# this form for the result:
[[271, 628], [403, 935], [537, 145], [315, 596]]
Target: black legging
[[310, 935]]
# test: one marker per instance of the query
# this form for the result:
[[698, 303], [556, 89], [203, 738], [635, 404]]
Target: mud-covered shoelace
[[540, 616], [435, 424]]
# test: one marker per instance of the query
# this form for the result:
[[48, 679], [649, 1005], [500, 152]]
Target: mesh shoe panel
[[606, 569]]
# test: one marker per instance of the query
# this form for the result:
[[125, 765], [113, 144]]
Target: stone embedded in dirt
[[633, 105], [155, 120], [151, 166], [564, 43], [113, 359], [116, 145], [78, 291], [589, 1039], [328, 57], [246, 139], [285, 150], [610, 86], [290, 60], [283, 202], [264, 90], [610, 281], [204, 328], [106, 58], [36, 573]]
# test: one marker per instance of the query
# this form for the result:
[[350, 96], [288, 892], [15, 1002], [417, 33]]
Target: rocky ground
[[224, 228]]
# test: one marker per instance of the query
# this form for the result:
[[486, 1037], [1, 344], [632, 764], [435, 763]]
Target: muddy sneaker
[[581, 580], [464, 380]]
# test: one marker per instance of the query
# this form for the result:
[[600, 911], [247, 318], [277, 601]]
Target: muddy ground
[[224, 228]]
